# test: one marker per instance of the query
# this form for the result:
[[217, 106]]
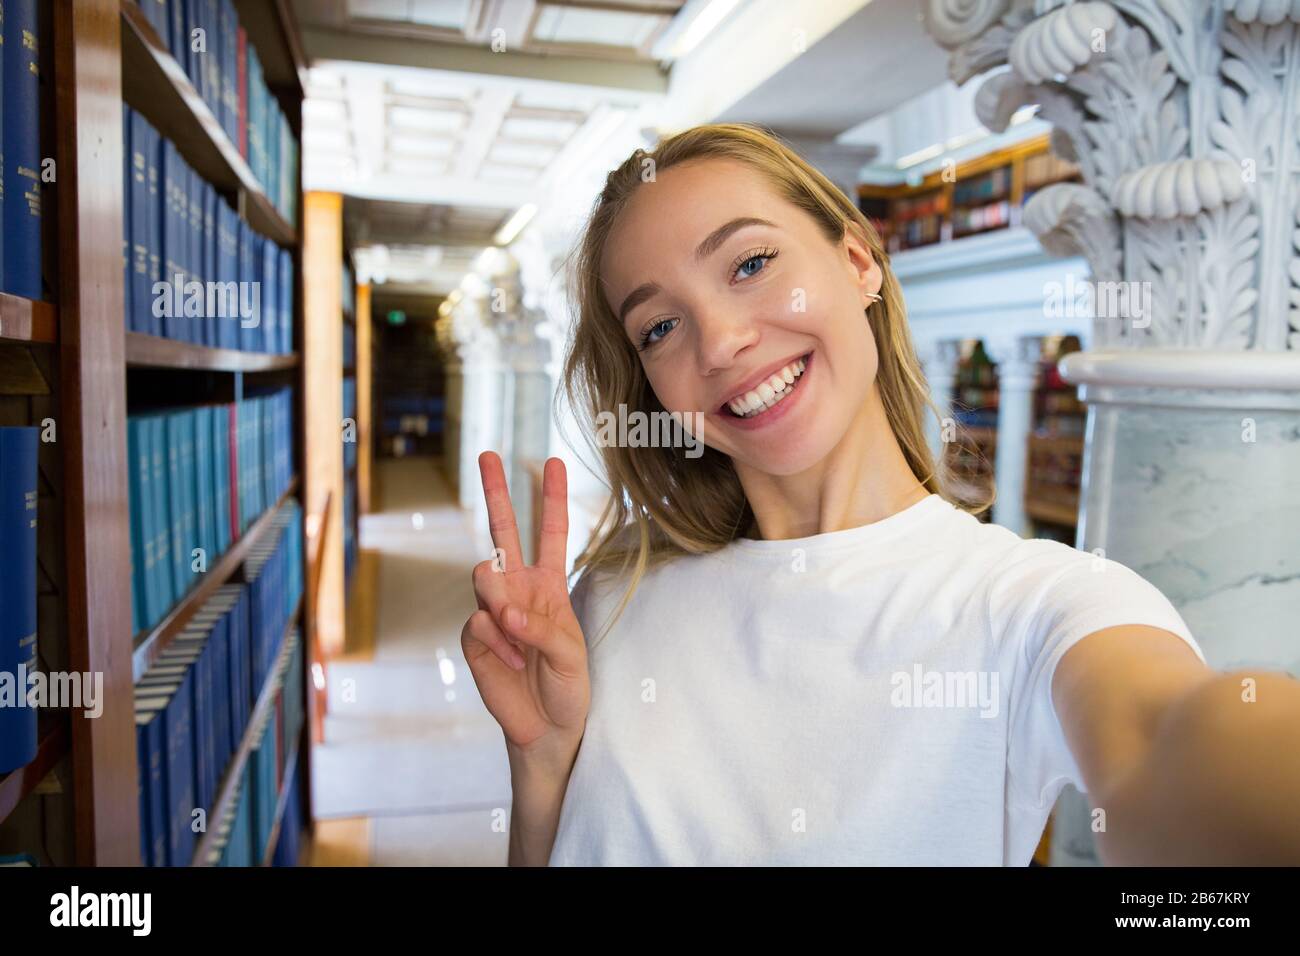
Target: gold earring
[[873, 297]]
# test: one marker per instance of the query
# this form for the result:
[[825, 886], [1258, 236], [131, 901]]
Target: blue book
[[285, 344], [22, 150], [206, 512], [194, 199], [178, 37], [141, 221], [173, 244], [230, 265], [230, 71], [128, 300], [270, 296], [139, 489], [180, 568], [189, 482], [18, 505], [254, 118], [247, 275], [179, 772], [150, 751], [221, 474], [164, 587], [149, 322], [209, 200]]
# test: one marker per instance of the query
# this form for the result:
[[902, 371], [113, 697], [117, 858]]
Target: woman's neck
[[864, 479]]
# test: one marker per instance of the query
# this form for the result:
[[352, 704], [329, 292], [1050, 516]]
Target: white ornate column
[[1182, 117], [939, 362], [1016, 359]]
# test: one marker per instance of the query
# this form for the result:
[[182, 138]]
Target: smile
[[771, 393]]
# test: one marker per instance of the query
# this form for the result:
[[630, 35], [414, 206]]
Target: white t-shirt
[[879, 695]]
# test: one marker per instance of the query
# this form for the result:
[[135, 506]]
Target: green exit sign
[[396, 317]]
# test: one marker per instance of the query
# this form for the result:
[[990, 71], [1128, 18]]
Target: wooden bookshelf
[[282, 802], [52, 733], [1054, 459], [234, 772], [26, 321], [100, 54], [934, 211], [157, 86], [152, 351], [150, 644]]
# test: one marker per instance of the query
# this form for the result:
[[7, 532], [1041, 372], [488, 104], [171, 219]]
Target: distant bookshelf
[[976, 196]]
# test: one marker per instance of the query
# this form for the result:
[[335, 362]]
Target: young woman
[[794, 647]]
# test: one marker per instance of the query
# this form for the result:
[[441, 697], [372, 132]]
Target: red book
[[241, 78], [234, 473]]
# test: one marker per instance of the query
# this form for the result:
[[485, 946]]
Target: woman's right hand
[[531, 672]]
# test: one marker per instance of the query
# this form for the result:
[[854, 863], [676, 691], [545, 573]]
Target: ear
[[865, 269]]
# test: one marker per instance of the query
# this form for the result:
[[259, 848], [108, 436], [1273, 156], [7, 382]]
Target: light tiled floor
[[413, 767]]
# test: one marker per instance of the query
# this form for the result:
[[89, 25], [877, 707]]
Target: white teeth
[[768, 393]]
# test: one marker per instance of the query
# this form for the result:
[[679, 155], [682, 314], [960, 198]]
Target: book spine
[[209, 198], [149, 321], [176, 508], [128, 300], [18, 507], [194, 203], [241, 88], [232, 432], [22, 150], [140, 221], [164, 592]]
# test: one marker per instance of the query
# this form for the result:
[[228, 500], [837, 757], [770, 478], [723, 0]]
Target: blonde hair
[[662, 504]]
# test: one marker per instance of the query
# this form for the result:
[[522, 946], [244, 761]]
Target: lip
[[778, 411], [757, 379]]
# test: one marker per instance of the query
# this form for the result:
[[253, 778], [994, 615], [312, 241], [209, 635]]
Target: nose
[[723, 334]]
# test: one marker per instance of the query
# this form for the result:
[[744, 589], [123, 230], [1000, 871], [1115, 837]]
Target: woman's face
[[722, 284]]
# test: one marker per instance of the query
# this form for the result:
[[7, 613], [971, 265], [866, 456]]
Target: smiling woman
[[797, 647], [757, 280]]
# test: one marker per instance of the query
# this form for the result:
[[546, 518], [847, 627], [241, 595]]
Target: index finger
[[501, 513], [555, 516]]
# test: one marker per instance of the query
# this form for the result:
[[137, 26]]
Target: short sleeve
[[1042, 602]]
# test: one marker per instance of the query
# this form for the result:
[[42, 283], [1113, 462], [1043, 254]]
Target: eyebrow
[[706, 248]]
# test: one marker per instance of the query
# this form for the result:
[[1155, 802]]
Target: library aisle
[[412, 767]]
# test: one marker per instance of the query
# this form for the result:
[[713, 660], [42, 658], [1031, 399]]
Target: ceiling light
[[693, 22], [515, 224]]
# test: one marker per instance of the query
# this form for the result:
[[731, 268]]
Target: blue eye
[[645, 336], [752, 263]]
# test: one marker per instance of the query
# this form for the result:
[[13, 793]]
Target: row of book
[[979, 218], [195, 703], [223, 284], [199, 476], [20, 132], [245, 829], [19, 476], [994, 183], [205, 38]]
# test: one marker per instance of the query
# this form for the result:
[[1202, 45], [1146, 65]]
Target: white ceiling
[[441, 118]]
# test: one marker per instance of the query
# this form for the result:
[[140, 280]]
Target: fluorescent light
[[920, 156], [694, 21], [515, 224]]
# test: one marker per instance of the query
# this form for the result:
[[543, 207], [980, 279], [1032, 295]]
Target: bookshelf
[[73, 360], [977, 196], [970, 457], [1054, 463]]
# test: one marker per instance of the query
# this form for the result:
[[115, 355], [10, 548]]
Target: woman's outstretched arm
[[1188, 765]]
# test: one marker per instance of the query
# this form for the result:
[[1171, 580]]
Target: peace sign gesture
[[524, 644]]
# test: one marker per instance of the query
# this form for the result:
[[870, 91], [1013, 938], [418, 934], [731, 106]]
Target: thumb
[[542, 633]]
